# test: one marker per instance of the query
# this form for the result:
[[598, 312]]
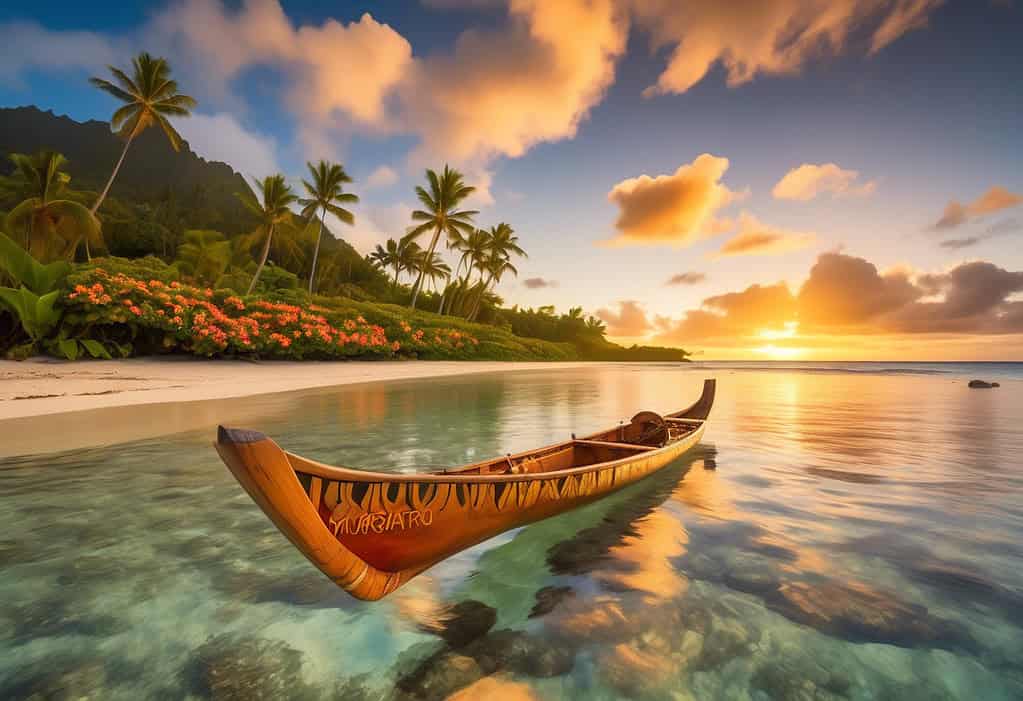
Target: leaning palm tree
[[273, 210], [504, 242], [53, 223], [325, 195], [409, 254], [440, 214], [474, 250], [150, 97], [388, 256], [501, 246], [433, 268], [496, 267]]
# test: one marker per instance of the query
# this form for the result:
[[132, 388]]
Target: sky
[[772, 179]]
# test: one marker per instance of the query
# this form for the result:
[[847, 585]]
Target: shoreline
[[43, 387], [140, 398]]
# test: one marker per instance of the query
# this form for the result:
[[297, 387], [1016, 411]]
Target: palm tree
[[474, 249], [409, 253], [273, 211], [389, 257], [496, 266], [325, 194], [54, 224], [440, 213], [204, 255], [502, 244], [150, 97], [595, 326], [432, 268]]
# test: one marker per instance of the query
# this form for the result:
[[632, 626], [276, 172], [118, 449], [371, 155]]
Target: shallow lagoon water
[[839, 534]]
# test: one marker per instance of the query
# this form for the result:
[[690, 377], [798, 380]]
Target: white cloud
[[809, 180], [219, 137], [384, 176], [373, 224], [27, 45]]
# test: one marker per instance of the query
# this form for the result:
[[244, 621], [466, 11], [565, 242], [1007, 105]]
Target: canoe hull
[[372, 532]]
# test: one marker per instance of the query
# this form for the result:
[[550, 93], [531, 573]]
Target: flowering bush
[[139, 316]]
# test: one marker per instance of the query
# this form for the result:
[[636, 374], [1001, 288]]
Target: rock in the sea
[[64, 680], [981, 384], [233, 667], [855, 611], [548, 598], [522, 653], [464, 622], [439, 676], [634, 670]]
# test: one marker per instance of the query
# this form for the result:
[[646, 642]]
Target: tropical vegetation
[[194, 259]]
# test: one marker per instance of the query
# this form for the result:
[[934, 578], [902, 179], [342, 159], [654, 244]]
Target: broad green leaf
[[27, 271], [68, 348], [95, 348]]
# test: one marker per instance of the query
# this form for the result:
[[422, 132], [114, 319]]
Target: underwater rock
[[633, 670], [235, 667], [548, 598], [981, 384], [62, 681], [859, 613], [12, 553], [799, 677], [464, 622], [57, 615], [439, 676], [751, 575], [726, 639], [522, 653]]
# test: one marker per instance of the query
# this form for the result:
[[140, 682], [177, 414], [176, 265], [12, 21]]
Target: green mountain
[[159, 193], [150, 170]]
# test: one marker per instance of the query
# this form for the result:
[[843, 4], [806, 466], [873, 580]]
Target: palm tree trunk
[[103, 195], [262, 260], [479, 299], [429, 255], [395, 276], [440, 309], [316, 251]]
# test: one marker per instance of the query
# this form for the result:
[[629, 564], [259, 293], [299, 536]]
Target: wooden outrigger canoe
[[371, 532]]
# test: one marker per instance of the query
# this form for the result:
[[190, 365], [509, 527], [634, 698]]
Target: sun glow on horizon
[[780, 352]]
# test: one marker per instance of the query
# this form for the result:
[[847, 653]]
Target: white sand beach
[[42, 398], [36, 387]]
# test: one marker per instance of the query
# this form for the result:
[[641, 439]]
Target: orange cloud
[[809, 180], [995, 199], [538, 283], [499, 92], [333, 67], [630, 319], [676, 209], [765, 36], [848, 296], [757, 239]]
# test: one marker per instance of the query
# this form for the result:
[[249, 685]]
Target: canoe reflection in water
[[371, 532]]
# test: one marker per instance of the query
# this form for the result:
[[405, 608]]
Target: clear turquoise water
[[838, 535]]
